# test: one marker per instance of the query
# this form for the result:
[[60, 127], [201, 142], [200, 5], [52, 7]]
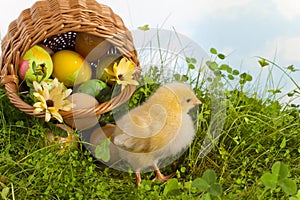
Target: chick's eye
[[188, 100]]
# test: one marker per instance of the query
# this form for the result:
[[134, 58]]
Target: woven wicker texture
[[53, 18]]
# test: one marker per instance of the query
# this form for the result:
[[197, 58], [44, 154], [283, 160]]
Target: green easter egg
[[92, 87]]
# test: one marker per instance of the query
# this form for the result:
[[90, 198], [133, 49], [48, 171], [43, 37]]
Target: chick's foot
[[160, 176]]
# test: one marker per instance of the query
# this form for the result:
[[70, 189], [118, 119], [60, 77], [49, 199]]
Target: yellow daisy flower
[[51, 99], [122, 73]]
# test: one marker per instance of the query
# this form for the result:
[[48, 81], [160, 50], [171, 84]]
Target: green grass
[[258, 132]]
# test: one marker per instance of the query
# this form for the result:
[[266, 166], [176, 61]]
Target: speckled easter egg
[[82, 101]]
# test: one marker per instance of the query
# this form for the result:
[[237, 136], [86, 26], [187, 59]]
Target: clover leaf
[[279, 177]]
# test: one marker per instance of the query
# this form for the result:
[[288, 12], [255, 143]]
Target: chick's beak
[[198, 102]]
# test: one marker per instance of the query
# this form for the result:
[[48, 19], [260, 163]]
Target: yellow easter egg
[[70, 68]]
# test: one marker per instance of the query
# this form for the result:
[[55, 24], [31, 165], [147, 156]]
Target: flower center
[[49, 103], [121, 77]]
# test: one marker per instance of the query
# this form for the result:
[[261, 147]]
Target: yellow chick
[[158, 129]]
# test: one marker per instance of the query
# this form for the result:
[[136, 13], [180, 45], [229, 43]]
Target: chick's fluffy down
[[157, 129]]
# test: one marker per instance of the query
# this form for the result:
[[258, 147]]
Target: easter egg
[[82, 101], [92, 87], [90, 46], [70, 68], [36, 65]]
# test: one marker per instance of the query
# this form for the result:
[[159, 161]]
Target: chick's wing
[[144, 121]]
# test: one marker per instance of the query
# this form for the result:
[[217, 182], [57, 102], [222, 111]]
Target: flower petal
[[37, 86], [47, 116], [56, 94], [40, 97], [40, 105], [112, 71], [55, 83], [57, 116], [38, 110], [67, 93]]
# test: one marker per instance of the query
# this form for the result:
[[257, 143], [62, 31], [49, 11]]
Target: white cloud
[[284, 51], [290, 9], [287, 47], [291, 48], [183, 15]]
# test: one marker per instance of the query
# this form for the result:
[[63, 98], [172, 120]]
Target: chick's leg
[[138, 178], [159, 175]]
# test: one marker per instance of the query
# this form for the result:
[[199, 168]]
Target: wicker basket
[[59, 18]]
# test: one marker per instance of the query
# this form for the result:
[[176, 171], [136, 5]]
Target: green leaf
[[182, 169], [102, 150], [215, 190], [263, 62], [288, 186], [193, 60], [171, 185], [20, 123], [292, 68], [221, 56], [191, 66], [235, 72], [209, 176], [176, 77], [144, 28], [290, 94], [188, 60], [184, 78], [280, 170], [209, 79], [243, 76], [218, 73], [206, 196], [148, 79], [297, 196], [277, 90], [248, 78], [283, 143], [226, 67], [200, 184], [293, 198], [146, 185], [213, 51], [212, 65], [269, 180], [5, 192], [230, 77], [242, 82]]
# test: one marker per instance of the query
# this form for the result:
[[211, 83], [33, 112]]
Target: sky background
[[241, 29]]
